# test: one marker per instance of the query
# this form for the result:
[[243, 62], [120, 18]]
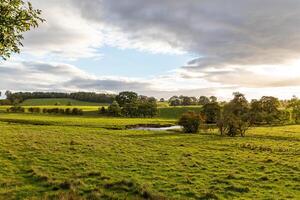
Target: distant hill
[[57, 102]]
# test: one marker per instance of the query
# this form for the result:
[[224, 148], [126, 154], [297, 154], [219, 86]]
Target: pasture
[[59, 157]]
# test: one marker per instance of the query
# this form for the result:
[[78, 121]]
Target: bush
[[68, 111], [16, 109], [191, 122], [76, 111], [102, 110], [34, 110]]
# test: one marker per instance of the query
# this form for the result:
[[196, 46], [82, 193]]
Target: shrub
[[68, 111], [76, 111], [16, 109], [102, 110], [34, 110], [191, 122]]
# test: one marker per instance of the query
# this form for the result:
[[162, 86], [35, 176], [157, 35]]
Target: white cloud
[[239, 44]]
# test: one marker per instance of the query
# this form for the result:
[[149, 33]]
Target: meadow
[[59, 157]]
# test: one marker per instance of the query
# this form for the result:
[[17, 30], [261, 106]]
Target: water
[[156, 128]]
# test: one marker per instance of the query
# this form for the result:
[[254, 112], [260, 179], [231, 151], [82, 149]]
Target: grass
[[79, 158], [60, 101]]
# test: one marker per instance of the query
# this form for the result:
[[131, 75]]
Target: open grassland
[[59, 101], [81, 157]]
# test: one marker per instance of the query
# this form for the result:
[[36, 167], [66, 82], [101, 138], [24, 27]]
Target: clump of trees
[[130, 104], [189, 101], [238, 115]]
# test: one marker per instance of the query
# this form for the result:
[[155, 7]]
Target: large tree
[[127, 97], [235, 118], [16, 17]]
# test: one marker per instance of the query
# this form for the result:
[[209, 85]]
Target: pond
[[148, 128]]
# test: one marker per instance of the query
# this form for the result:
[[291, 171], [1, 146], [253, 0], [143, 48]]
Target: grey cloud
[[41, 76], [106, 84]]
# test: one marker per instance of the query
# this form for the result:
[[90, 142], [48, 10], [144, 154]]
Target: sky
[[161, 48]]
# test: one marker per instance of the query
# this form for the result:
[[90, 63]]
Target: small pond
[[145, 128]]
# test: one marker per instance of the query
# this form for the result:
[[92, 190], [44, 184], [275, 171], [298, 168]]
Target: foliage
[[80, 96], [190, 122], [34, 110], [266, 110], [126, 97], [212, 112], [114, 109], [203, 100], [16, 17], [102, 110], [67, 111], [16, 109], [235, 117], [183, 101]]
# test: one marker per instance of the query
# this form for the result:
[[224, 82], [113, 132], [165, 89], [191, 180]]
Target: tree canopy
[[16, 17]]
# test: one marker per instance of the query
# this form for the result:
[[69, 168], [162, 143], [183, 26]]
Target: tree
[[212, 112], [235, 118], [175, 102], [126, 97], [16, 17], [114, 109], [190, 122], [213, 99], [186, 101], [266, 110], [203, 100]]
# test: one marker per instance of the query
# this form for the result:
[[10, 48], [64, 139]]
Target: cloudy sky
[[161, 48]]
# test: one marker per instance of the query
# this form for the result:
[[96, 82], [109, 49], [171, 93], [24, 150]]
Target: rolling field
[[55, 157]]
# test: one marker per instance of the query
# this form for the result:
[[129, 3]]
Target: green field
[[60, 101], [164, 111], [56, 157]]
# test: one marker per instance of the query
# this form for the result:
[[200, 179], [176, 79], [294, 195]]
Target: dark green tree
[[203, 100], [114, 109], [212, 112], [235, 117], [126, 97]]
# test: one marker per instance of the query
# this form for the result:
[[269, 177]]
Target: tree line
[[18, 97], [189, 101]]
